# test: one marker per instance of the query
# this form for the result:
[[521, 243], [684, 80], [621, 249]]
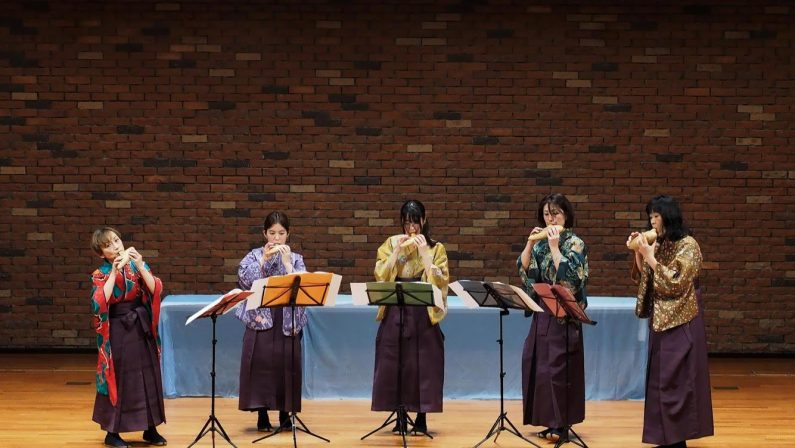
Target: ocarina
[[651, 237], [542, 235], [273, 250], [125, 256], [410, 244]]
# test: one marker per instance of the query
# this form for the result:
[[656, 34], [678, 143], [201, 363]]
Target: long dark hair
[[414, 212], [668, 208], [559, 201], [276, 217]]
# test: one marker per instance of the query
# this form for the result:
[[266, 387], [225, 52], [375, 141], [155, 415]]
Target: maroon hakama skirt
[[137, 367], [547, 402], [270, 373], [422, 378], [678, 398]]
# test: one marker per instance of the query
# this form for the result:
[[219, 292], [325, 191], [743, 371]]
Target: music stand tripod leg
[[400, 415], [495, 428], [400, 418], [301, 426], [404, 426], [212, 420], [202, 432], [403, 416], [222, 432], [577, 440], [396, 299], [499, 424], [294, 340], [392, 418], [277, 431], [568, 428], [515, 431]]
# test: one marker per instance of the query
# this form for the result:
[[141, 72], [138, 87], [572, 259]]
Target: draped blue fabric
[[339, 344]]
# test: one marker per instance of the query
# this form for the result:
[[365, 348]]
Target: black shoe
[[263, 423], [152, 437], [556, 434], [284, 420], [114, 439], [420, 424], [682, 444], [544, 434]]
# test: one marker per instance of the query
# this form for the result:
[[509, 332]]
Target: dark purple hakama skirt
[[547, 402], [137, 367], [270, 373], [678, 398], [422, 348]]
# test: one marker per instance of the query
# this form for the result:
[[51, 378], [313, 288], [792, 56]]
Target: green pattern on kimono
[[572, 271]]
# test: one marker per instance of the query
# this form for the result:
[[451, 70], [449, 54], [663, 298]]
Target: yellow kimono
[[410, 266]]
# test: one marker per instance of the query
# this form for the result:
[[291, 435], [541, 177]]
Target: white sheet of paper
[[254, 300], [465, 297], [334, 289], [359, 293], [437, 297], [526, 299], [215, 302]]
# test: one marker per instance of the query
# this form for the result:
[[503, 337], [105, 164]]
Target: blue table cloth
[[339, 345]]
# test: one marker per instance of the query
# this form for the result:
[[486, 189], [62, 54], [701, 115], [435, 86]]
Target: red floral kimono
[[127, 288]]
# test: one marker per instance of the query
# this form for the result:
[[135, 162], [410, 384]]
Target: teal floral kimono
[[572, 271], [553, 355]]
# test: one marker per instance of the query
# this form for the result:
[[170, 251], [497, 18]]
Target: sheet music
[[561, 302], [359, 293], [360, 297], [526, 299], [259, 287], [437, 297], [470, 302], [334, 289], [231, 297], [465, 297]]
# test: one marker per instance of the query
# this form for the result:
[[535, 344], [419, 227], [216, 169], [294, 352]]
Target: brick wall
[[185, 123]]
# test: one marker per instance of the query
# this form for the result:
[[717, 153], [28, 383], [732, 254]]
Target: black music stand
[[564, 306], [221, 305], [399, 294], [298, 289], [502, 296]]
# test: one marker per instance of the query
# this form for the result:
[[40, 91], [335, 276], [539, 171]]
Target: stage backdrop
[[184, 123]]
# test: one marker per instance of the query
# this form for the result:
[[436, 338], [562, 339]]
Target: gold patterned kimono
[[410, 266], [670, 288]]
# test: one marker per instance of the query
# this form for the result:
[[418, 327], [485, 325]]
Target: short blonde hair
[[101, 238]]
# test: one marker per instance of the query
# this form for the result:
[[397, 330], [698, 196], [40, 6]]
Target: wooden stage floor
[[47, 401]]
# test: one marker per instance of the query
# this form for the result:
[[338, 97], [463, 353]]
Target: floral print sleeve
[[572, 270], [250, 271]]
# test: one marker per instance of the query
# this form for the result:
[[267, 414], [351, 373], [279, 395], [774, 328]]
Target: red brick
[[698, 117]]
